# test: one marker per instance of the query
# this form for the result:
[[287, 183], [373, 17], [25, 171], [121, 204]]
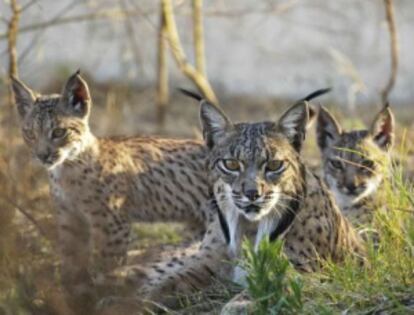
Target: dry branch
[[198, 36], [176, 48], [28, 216], [12, 32], [129, 29], [104, 14], [390, 18], [28, 5], [162, 72]]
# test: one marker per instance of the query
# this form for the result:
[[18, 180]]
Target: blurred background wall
[[273, 48]]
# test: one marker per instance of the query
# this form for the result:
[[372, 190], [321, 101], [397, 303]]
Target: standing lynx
[[355, 162], [101, 185]]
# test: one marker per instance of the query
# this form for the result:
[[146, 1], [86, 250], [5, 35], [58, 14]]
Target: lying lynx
[[101, 185], [261, 190], [355, 162]]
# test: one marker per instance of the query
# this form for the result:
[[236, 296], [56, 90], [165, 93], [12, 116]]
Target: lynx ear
[[23, 96], [327, 130], [382, 129], [313, 113], [293, 123], [76, 99], [214, 123]]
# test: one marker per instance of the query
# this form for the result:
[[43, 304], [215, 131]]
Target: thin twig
[[119, 14], [390, 17], [105, 14], [132, 40], [37, 37], [28, 5], [238, 13]]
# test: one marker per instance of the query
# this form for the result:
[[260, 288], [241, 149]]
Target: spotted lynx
[[101, 185], [355, 162], [261, 189]]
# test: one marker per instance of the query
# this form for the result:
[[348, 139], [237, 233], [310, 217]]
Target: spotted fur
[[289, 202], [355, 162], [101, 185]]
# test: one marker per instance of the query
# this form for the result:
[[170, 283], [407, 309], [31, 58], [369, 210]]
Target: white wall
[[285, 54]]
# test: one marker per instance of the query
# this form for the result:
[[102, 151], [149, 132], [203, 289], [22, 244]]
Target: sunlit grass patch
[[386, 283], [152, 234]]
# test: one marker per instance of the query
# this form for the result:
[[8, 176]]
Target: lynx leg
[[74, 242]]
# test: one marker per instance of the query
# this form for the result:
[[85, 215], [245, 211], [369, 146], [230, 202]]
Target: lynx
[[355, 162], [101, 185], [261, 189]]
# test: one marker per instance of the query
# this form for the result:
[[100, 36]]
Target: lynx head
[[55, 127], [255, 166], [354, 162]]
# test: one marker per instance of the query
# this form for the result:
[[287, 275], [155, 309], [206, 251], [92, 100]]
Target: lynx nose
[[351, 187], [354, 188], [252, 194], [43, 156]]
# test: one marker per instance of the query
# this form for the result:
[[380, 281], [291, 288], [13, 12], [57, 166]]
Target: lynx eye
[[336, 164], [275, 166], [59, 133], [28, 134], [231, 165]]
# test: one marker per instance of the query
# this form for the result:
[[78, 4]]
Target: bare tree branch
[[198, 36], [105, 14], [390, 17], [129, 29], [270, 9], [23, 54], [120, 14], [162, 71], [12, 32], [28, 5], [186, 68]]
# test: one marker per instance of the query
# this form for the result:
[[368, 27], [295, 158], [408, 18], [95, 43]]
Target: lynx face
[[255, 166], [355, 162], [55, 127]]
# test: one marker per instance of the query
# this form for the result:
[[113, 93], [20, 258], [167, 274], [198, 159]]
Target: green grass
[[385, 284], [29, 282], [271, 281], [158, 233]]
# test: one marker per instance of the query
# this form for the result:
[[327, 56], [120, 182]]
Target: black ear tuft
[[327, 129], [191, 94], [316, 94], [23, 96], [76, 96]]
